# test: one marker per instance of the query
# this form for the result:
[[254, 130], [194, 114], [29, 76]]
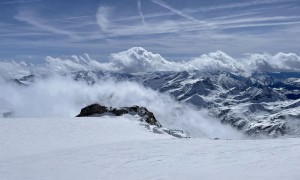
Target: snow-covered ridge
[[137, 59]]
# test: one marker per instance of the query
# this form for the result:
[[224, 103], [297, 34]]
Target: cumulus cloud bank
[[138, 59], [60, 96]]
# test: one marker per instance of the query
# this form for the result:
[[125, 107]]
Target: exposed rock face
[[97, 109], [92, 110], [147, 117]]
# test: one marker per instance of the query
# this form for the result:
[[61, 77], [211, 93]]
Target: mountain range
[[256, 103]]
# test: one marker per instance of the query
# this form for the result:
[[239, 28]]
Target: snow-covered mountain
[[215, 97], [260, 104], [246, 93]]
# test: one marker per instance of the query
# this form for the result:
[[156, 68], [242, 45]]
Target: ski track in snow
[[119, 148]]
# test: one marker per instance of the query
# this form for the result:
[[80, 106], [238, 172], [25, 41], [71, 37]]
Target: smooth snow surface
[[119, 148], [22, 136]]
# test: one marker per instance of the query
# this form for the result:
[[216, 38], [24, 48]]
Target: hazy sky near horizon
[[31, 29]]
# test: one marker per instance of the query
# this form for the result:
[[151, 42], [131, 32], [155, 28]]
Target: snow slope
[[119, 148], [23, 137]]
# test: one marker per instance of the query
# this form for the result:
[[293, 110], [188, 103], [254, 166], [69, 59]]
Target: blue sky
[[33, 29]]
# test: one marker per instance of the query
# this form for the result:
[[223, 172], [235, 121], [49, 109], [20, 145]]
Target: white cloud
[[257, 19], [139, 60], [139, 6], [180, 13], [211, 26], [75, 63], [243, 4], [205, 31], [9, 2], [102, 17], [12, 69], [279, 62], [28, 18]]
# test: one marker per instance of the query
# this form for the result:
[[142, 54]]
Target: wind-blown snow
[[118, 148], [138, 59], [64, 97]]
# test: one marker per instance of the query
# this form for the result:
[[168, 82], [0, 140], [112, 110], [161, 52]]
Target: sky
[[176, 29]]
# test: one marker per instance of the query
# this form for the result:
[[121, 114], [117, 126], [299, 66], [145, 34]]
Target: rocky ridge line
[[151, 124]]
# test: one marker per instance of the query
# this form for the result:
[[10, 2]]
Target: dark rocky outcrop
[[150, 122], [142, 112]]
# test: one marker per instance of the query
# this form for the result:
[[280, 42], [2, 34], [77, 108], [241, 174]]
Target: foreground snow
[[120, 148]]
